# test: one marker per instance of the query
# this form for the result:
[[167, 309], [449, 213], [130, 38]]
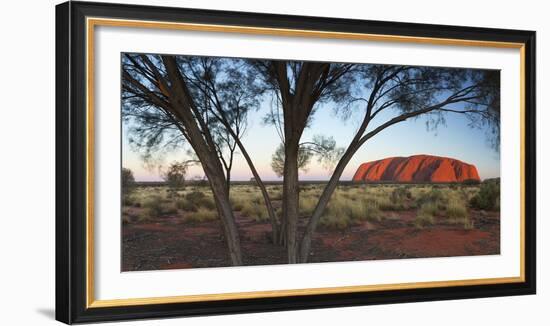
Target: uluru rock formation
[[416, 169]]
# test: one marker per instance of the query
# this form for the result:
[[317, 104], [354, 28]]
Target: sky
[[455, 139]]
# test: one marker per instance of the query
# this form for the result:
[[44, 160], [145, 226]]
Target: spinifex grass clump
[[426, 214], [342, 212], [201, 215], [195, 200], [307, 204], [255, 208], [457, 213]]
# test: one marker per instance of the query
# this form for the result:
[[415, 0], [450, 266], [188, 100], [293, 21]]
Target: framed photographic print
[[222, 162]]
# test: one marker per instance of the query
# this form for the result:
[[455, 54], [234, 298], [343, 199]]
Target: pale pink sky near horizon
[[455, 139]]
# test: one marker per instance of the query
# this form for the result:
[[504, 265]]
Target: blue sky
[[455, 139]]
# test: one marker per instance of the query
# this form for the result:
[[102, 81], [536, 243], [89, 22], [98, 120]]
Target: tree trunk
[[228, 181], [205, 149], [305, 243], [282, 231], [290, 198], [221, 198]]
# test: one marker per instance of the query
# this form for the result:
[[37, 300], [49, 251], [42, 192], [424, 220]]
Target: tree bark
[[291, 199], [205, 149], [221, 198]]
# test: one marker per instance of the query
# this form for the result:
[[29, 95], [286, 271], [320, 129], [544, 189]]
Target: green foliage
[[174, 176], [128, 182], [488, 197], [278, 159]]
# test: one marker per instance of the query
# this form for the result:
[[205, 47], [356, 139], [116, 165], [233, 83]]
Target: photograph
[[229, 161], [213, 161]]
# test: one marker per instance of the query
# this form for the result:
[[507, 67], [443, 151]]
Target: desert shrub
[[457, 212], [126, 216], [202, 215], [456, 209], [199, 199], [400, 194], [127, 200], [169, 208], [372, 211], [307, 205], [385, 203], [127, 181], [174, 176], [425, 214], [237, 202], [335, 221], [173, 194], [488, 196], [156, 206], [276, 195], [208, 203], [255, 210], [145, 215], [195, 196], [186, 205], [470, 182], [433, 196], [153, 205], [342, 212]]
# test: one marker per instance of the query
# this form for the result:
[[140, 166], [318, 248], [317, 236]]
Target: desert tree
[[128, 181], [322, 147], [229, 89], [278, 160], [163, 109], [298, 88], [389, 95], [380, 96], [175, 174]]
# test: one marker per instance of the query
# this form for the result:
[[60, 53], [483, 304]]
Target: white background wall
[[27, 162]]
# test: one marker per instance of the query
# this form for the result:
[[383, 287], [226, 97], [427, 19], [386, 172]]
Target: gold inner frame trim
[[92, 22]]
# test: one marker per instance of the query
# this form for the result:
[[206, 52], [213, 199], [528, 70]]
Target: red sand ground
[[171, 243]]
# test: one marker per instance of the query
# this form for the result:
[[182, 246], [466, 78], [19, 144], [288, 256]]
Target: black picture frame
[[71, 158]]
